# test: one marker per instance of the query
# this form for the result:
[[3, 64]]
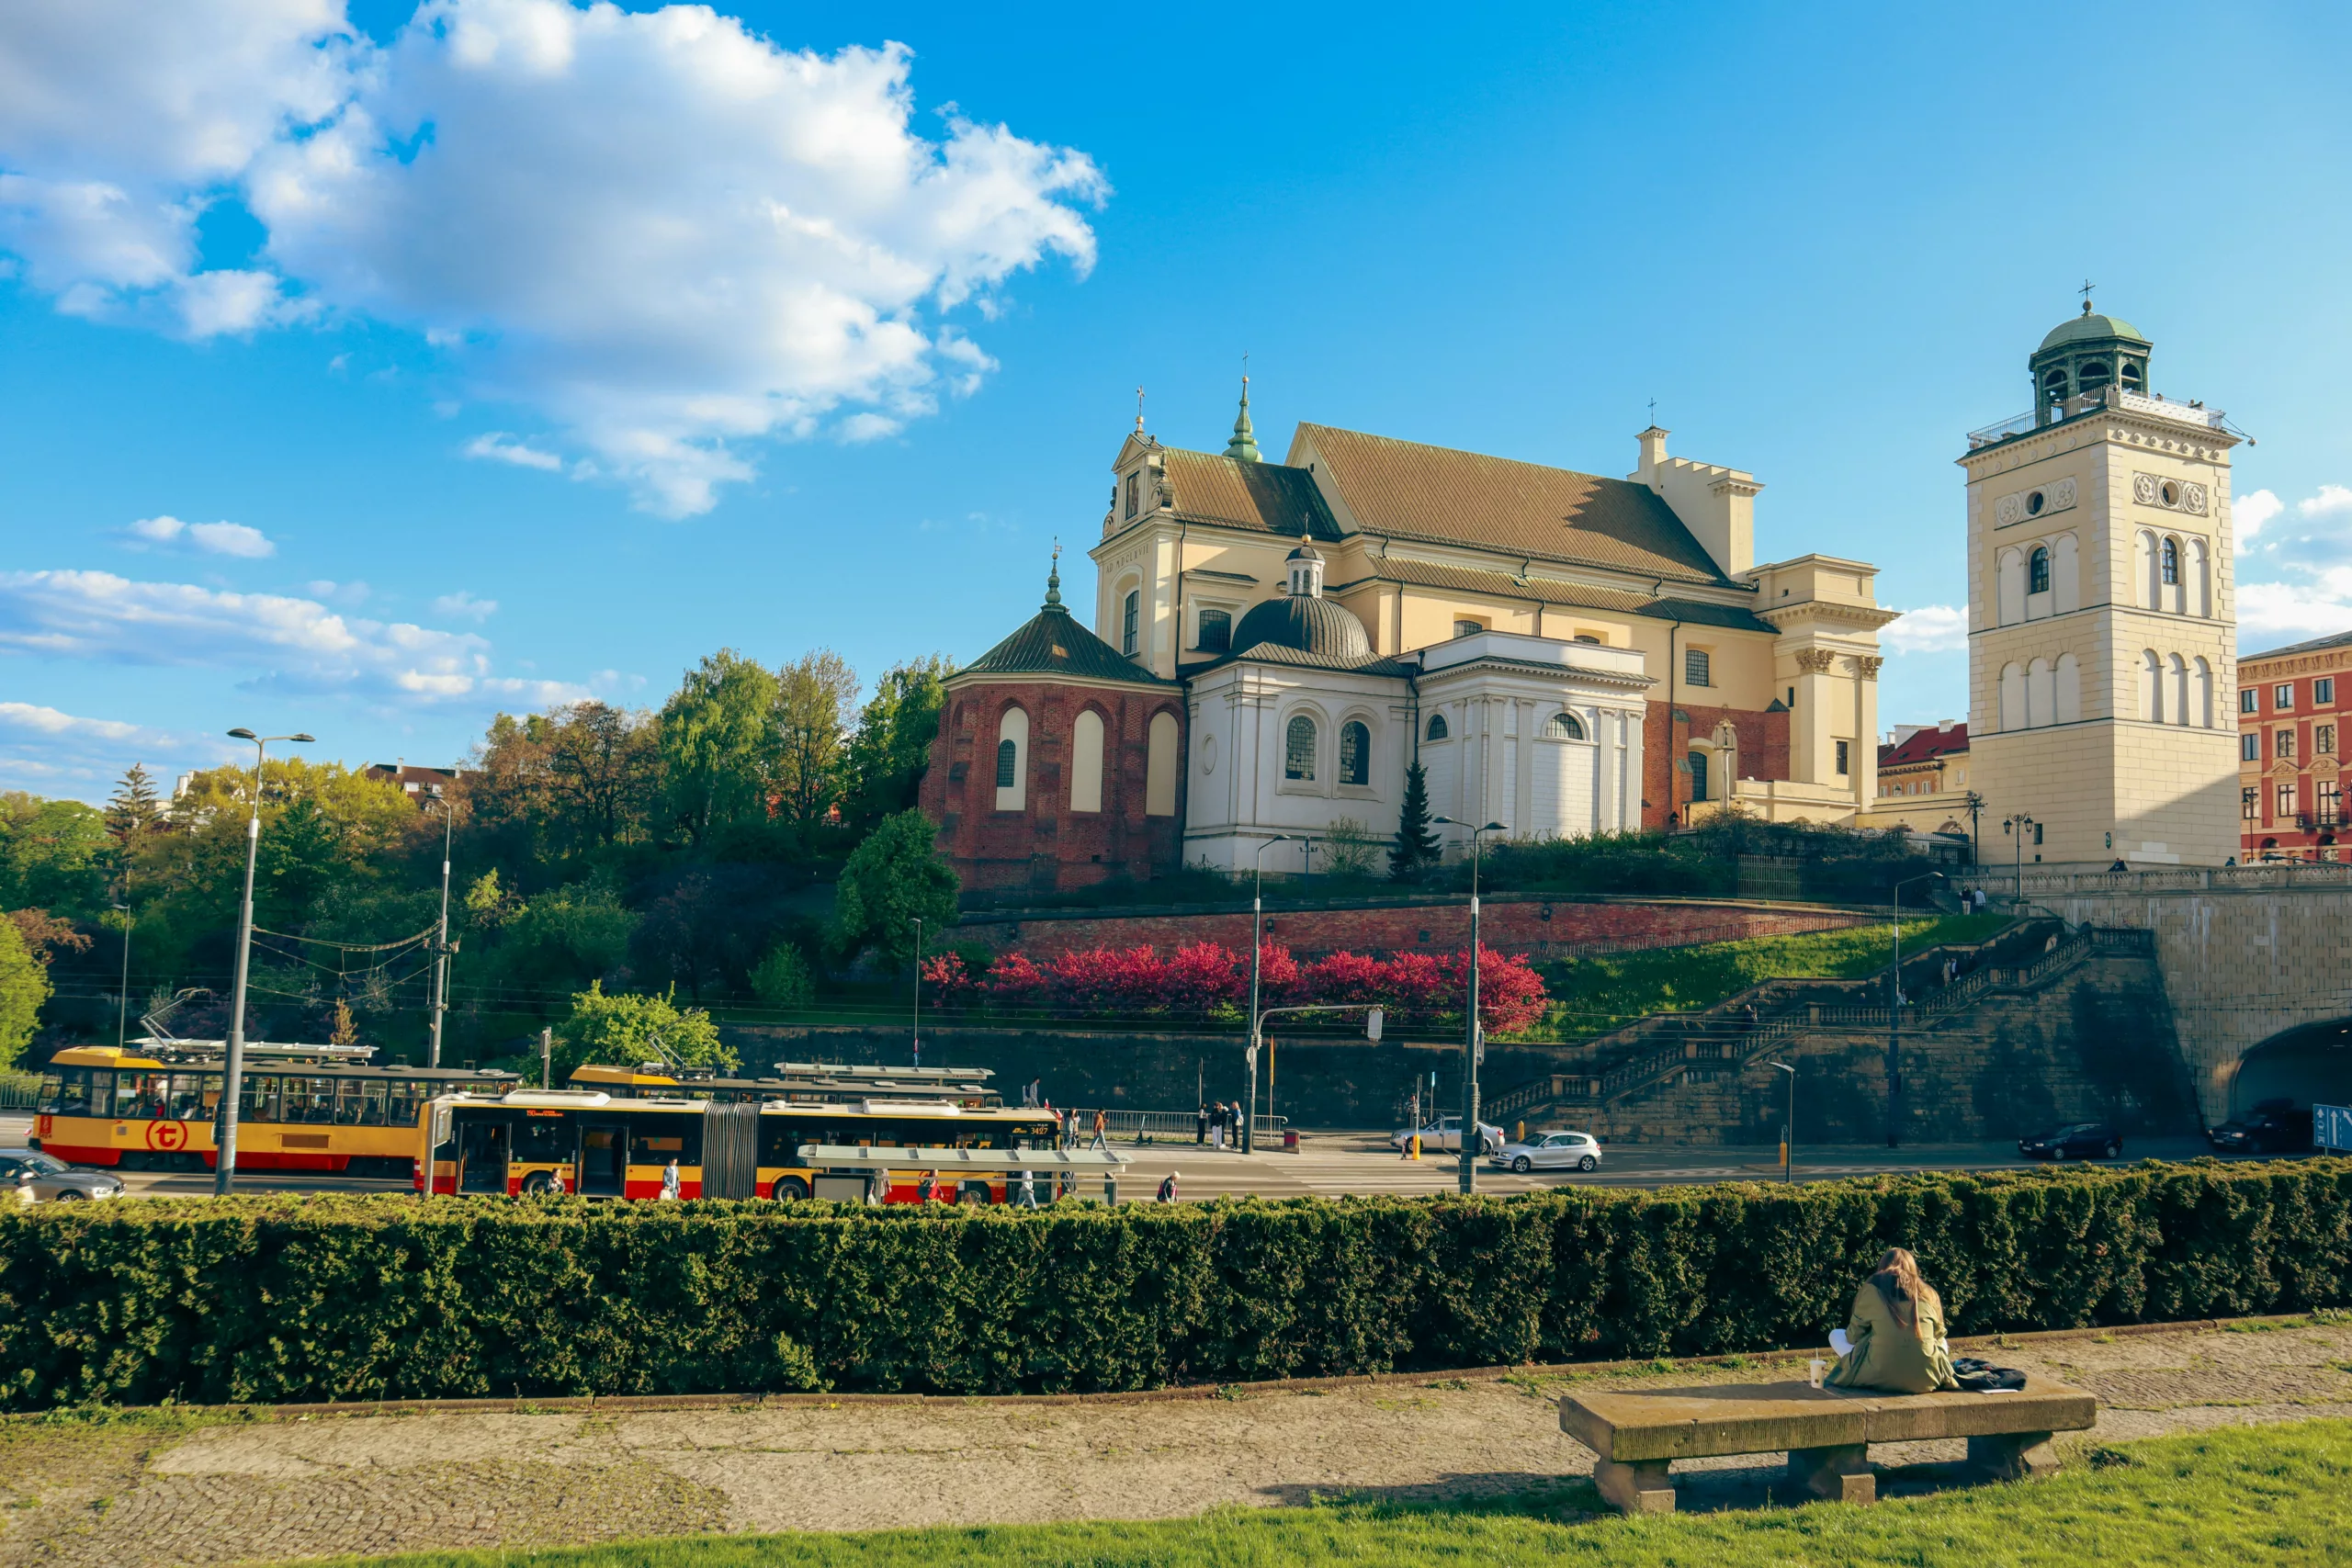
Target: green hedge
[[302, 1299]]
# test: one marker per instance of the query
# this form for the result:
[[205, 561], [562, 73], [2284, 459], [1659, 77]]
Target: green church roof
[[2088, 326], [1053, 643]]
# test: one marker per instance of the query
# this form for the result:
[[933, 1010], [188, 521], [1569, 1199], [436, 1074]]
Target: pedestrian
[[1201, 1126], [1026, 1196], [670, 1185], [1101, 1142], [1168, 1188], [1748, 1018], [1216, 1125], [927, 1188]]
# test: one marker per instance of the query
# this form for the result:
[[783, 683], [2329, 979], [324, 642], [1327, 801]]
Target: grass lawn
[[1591, 995], [2237, 1495]]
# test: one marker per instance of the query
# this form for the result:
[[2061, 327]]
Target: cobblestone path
[[196, 1488]]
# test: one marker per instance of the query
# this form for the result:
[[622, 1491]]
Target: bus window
[[371, 1103], [309, 1100], [140, 1096], [189, 1101], [350, 1101], [66, 1093], [657, 1140], [545, 1138], [258, 1097]]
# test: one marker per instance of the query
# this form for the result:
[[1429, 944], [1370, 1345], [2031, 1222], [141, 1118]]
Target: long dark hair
[[1899, 1280]]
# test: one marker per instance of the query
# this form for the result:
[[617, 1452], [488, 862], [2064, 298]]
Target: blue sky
[[528, 352]]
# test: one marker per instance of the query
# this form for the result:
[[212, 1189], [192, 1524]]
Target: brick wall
[[1667, 733], [1511, 922]]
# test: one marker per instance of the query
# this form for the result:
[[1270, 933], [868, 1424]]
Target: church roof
[[1265, 498], [1306, 622], [1408, 491], [1548, 591], [1053, 643], [2077, 329], [1306, 658]]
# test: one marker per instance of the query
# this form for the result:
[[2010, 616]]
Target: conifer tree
[[1415, 845], [133, 809]]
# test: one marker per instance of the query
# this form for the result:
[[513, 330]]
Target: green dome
[[2084, 328]]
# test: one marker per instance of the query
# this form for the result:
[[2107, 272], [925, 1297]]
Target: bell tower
[[2102, 633]]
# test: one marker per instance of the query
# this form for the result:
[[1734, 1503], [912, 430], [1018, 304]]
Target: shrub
[[334, 1297], [782, 979], [622, 1031]]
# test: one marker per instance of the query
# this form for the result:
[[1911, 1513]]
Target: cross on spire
[[1139, 411], [2085, 292]]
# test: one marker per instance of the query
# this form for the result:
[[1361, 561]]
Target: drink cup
[[1815, 1369]]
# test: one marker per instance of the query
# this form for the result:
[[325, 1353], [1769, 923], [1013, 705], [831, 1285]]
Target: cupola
[[2081, 358], [1306, 571]]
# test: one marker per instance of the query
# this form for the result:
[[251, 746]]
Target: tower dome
[[1311, 625], [2080, 358]]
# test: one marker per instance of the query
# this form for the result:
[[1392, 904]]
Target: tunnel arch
[[2309, 1064]]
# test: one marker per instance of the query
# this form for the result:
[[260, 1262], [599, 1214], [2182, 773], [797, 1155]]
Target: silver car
[[1444, 1135], [52, 1179], [1551, 1151]]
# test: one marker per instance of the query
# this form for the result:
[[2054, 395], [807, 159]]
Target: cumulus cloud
[[2318, 604], [1930, 628], [211, 539], [2332, 501], [463, 604], [50, 721], [669, 235], [2247, 515], [50, 750], [497, 447]]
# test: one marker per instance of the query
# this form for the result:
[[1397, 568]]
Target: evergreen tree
[[1415, 845], [133, 809]]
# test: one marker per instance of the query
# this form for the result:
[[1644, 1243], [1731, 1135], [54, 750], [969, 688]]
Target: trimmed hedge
[[276, 1300]]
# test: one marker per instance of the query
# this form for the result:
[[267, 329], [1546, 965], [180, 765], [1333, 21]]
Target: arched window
[[1008, 764], [2010, 589], [2144, 569], [2093, 375], [2172, 561], [1355, 753], [2202, 701], [1013, 761], [2201, 580], [2135, 375], [1130, 621], [1588, 637], [1085, 762], [1160, 765], [1698, 775], [2037, 571], [2152, 687], [1216, 630], [1565, 726], [1298, 749], [2180, 698], [1437, 726], [1134, 487], [1467, 628]]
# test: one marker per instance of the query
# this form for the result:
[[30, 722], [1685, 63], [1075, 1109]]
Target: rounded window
[[1437, 726], [2172, 561], [1566, 726], [2034, 504], [1355, 753], [2171, 492], [1298, 749], [2037, 572]]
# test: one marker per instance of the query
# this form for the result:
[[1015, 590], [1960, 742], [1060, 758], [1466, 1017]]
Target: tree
[[718, 743], [813, 693], [892, 878], [133, 809], [891, 750], [301, 856], [782, 978], [603, 765], [53, 855], [1415, 848], [623, 1031], [24, 990]]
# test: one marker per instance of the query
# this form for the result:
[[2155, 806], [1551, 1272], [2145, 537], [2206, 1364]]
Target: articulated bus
[[588, 1141], [303, 1107]]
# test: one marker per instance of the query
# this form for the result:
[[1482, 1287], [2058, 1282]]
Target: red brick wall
[[1047, 845], [1513, 924], [1667, 733]]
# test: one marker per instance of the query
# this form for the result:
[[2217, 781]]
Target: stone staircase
[[1662, 1048]]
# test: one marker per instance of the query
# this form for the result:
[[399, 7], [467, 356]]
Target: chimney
[[1652, 442]]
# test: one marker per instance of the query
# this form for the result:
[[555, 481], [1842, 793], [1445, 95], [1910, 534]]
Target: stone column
[[1865, 759]]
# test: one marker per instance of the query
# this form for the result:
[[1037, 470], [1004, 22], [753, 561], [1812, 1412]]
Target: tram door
[[482, 1148], [603, 1159]]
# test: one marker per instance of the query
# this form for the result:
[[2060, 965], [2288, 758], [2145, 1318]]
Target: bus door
[[603, 1159], [482, 1148]]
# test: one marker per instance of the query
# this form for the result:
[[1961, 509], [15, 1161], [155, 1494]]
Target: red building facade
[[2294, 704]]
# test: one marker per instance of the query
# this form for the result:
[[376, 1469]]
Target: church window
[[1437, 726], [1130, 619], [1007, 762], [2249, 804], [1467, 628], [2172, 561], [1216, 630], [1134, 489], [1694, 665], [1698, 775], [1298, 749], [1565, 727], [2037, 571], [1355, 753], [1845, 757]]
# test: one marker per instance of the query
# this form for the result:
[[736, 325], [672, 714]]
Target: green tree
[[894, 877], [134, 810], [891, 749], [24, 990], [579, 931], [301, 857], [812, 699], [782, 979], [603, 766], [55, 854], [1415, 848], [622, 1031], [718, 743]]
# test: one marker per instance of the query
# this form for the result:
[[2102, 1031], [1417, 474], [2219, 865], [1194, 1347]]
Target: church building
[[1274, 645]]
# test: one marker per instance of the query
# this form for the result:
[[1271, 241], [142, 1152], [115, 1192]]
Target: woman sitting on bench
[[1896, 1333]]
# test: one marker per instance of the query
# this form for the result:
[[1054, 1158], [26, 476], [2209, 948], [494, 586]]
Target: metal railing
[[2015, 425], [2183, 879], [20, 1092], [1165, 1126]]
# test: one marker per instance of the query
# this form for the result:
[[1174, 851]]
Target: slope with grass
[[2279, 1493]]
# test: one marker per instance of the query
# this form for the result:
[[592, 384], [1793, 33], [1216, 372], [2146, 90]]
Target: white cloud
[[464, 603], [49, 751], [1930, 628], [50, 721], [497, 447], [667, 235], [211, 538], [2249, 514], [2309, 561], [2274, 612], [348, 595], [2331, 501]]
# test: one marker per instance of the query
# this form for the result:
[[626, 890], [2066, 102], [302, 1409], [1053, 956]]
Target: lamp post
[[1894, 1015], [123, 1003], [1975, 827], [441, 931], [1473, 1035], [917, 1020], [233, 1078], [2017, 827], [1257, 942], [1789, 1137]]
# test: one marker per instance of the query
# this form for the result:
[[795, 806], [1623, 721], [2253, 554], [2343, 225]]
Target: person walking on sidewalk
[[1201, 1126], [1101, 1140], [670, 1185], [1026, 1196]]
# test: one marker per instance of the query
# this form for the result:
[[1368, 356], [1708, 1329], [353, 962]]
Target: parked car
[[1551, 1150], [2268, 1129], [54, 1181], [2075, 1140], [1445, 1134]]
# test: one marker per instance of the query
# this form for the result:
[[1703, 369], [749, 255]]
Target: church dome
[[1309, 624], [2089, 325]]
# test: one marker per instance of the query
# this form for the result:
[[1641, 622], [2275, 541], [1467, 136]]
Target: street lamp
[[441, 932], [1789, 1135], [123, 1003], [232, 1080], [2017, 827], [1473, 1035], [917, 920], [1895, 1014], [1257, 943]]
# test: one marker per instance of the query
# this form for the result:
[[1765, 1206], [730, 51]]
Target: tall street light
[[441, 932], [1789, 1137], [918, 1018], [1473, 1036], [1894, 1015], [123, 1003], [232, 1080], [2017, 826], [1257, 946]]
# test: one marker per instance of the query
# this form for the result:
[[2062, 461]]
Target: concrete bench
[[1638, 1434]]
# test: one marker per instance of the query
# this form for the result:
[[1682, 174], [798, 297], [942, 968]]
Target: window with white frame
[[2282, 696], [2323, 741], [2249, 804], [2323, 690], [2285, 803], [1130, 621], [1298, 749], [2249, 700], [2282, 744], [1566, 726], [2331, 802], [2249, 748], [1437, 731]]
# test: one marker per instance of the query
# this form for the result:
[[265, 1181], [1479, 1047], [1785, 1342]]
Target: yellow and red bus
[[964, 1087], [303, 1108], [598, 1145]]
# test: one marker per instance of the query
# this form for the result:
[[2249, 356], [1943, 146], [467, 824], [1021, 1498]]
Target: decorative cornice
[[1828, 612], [1815, 661], [1866, 666]]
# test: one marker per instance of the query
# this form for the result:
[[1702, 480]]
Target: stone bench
[[1638, 1434]]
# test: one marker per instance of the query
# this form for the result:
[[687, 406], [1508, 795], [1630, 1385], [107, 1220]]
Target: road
[[1336, 1164]]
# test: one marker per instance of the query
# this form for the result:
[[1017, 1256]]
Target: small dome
[[2080, 329], [1309, 625], [1306, 552]]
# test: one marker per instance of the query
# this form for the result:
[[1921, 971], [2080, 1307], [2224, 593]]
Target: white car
[[1551, 1151], [1446, 1135]]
